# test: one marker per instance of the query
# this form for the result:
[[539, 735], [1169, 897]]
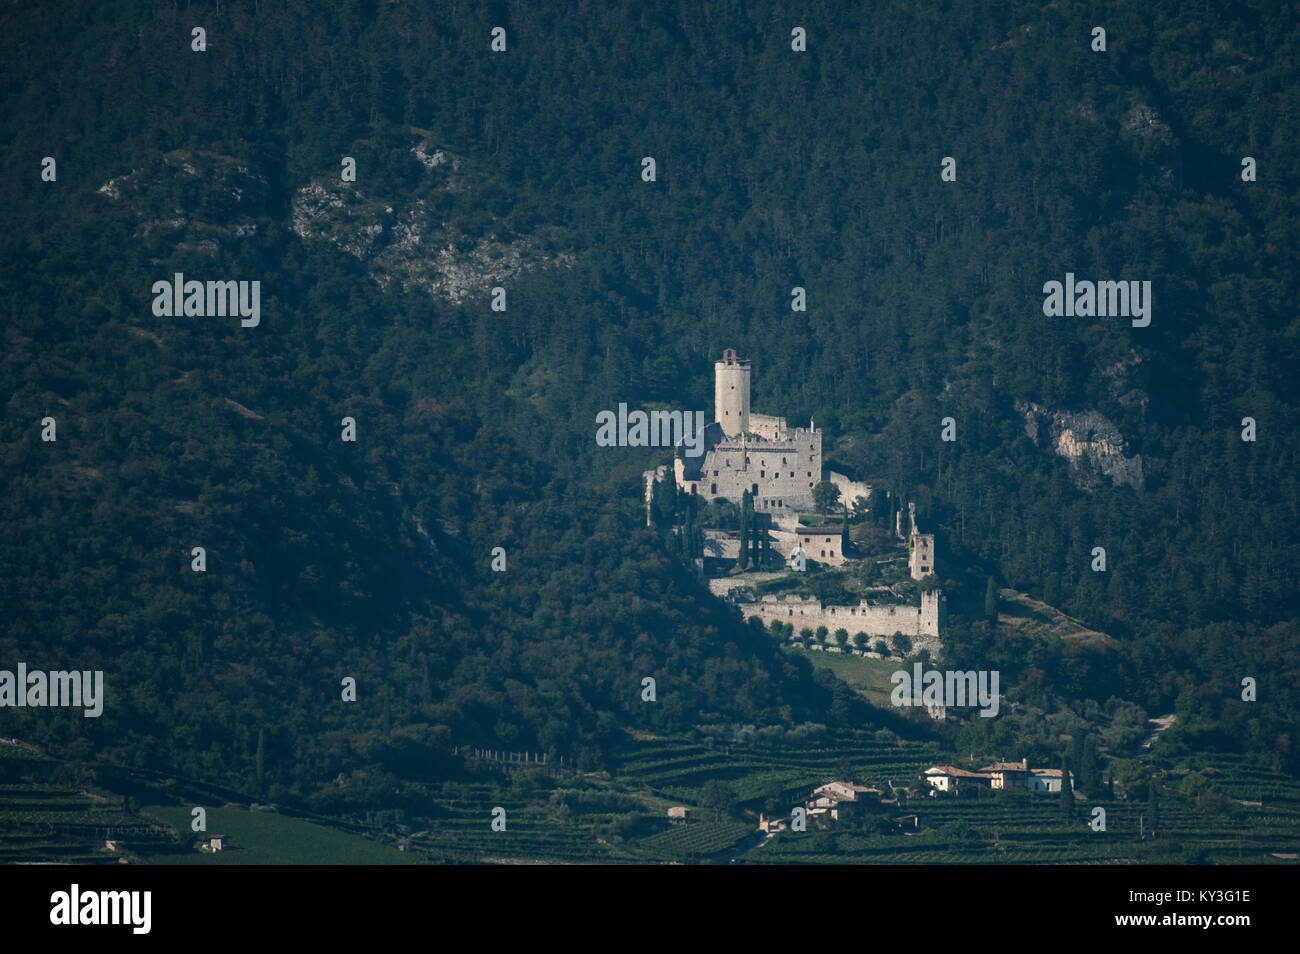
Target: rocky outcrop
[[220, 199], [1090, 442], [1121, 378], [1146, 122], [401, 241], [205, 203]]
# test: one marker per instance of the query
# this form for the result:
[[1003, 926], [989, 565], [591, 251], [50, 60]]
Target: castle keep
[[777, 464]]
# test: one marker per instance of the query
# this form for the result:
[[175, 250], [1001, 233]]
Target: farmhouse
[[999, 775], [1007, 774], [949, 778], [834, 797]]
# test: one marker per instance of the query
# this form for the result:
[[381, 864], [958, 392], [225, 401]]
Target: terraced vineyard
[[698, 840], [49, 822], [999, 828], [682, 766], [531, 834], [1212, 809]]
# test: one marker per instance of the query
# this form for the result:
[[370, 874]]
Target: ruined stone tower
[[920, 559]]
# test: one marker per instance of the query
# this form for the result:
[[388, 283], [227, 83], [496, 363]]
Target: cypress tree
[[259, 760], [1089, 769], [1067, 793], [991, 599], [1153, 806], [746, 516]]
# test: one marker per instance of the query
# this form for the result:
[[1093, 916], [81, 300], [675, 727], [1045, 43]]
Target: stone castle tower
[[731, 393], [920, 561], [758, 454]]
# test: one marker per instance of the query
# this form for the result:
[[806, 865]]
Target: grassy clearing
[[1018, 611], [267, 838], [866, 676]]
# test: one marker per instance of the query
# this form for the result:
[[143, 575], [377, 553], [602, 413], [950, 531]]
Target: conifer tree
[[1153, 806], [746, 517], [1089, 770], [657, 495]]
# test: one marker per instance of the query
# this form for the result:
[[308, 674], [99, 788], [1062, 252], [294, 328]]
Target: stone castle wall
[[784, 471], [922, 623], [767, 426]]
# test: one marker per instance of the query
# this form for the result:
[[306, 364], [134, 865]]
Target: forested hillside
[[775, 169]]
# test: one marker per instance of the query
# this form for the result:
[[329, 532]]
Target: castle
[[777, 464]]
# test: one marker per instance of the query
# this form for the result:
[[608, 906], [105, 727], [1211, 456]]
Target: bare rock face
[[402, 241], [200, 201], [1091, 444], [1146, 122], [1122, 383], [206, 203]]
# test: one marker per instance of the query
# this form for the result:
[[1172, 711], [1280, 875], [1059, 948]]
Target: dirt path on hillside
[[1157, 725]]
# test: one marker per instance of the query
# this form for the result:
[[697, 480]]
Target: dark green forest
[[475, 427]]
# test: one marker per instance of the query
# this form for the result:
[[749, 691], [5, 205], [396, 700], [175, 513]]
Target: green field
[[867, 676], [268, 838]]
